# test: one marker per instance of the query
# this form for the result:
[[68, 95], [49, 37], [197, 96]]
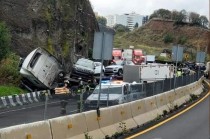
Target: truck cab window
[[35, 59]]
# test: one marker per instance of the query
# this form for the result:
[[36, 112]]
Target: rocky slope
[[64, 28]]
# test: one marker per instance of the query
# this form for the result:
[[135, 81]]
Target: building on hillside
[[128, 19]]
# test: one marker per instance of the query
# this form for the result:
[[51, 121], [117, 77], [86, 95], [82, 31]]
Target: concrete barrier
[[198, 88], [170, 97], [179, 96], [151, 108], [73, 126], [138, 110], [106, 124], [93, 125], [161, 103], [126, 116], [36, 130]]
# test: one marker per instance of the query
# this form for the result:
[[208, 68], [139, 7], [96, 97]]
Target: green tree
[[180, 17], [5, 40], [161, 13], [174, 15], [204, 21], [121, 28], [101, 20], [194, 18]]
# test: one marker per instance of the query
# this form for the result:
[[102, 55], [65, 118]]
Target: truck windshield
[[108, 89]]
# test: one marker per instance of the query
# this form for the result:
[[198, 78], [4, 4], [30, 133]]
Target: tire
[[74, 91], [120, 72]]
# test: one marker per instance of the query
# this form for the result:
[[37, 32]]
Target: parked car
[[116, 68]]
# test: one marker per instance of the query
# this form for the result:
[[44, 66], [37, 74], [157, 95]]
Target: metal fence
[[139, 91], [53, 106]]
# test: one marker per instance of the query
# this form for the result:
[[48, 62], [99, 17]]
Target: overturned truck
[[41, 70]]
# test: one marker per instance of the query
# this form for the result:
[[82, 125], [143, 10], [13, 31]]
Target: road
[[194, 124], [34, 112]]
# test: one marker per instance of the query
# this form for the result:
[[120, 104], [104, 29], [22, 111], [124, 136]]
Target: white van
[[40, 69], [113, 93]]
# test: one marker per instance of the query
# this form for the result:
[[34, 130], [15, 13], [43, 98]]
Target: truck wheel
[[120, 72]]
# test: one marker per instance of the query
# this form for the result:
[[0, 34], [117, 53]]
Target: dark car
[[200, 66], [84, 69], [190, 65]]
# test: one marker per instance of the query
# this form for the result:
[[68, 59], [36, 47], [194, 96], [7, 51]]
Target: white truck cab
[[113, 93], [40, 70]]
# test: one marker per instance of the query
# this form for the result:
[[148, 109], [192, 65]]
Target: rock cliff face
[[65, 28]]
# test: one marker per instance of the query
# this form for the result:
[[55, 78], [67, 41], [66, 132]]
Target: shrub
[[5, 40], [165, 112], [9, 70], [168, 38], [182, 40]]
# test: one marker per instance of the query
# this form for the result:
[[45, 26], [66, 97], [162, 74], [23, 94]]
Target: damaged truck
[[40, 70]]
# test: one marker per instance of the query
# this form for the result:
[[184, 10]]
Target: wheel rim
[[120, 72]]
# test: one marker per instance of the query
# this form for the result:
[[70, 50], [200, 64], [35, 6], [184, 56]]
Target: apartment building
[[128, 19]]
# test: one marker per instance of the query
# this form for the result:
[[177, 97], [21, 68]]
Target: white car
[[97, 70], [116, 68]]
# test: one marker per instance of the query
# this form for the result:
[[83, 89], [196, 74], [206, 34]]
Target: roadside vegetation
[[162, 30], [9, 72]]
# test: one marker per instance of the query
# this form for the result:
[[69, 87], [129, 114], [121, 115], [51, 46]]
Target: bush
[[182, 40], [9, 70], [5, 40], [168, 38]]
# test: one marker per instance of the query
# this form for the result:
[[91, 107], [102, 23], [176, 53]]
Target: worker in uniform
[[179, 72], [63, 94]]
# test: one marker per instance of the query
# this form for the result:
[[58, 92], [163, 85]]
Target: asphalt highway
[[34, 112], [193, 124]]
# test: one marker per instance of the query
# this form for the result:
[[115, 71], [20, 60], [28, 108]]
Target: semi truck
[[149, 72], [138, 56], [116, 54]]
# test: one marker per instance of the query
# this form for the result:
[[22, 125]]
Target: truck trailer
[[149, 72]]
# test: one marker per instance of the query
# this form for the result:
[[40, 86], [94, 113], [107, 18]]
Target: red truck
[[116, 54], [138, 56]]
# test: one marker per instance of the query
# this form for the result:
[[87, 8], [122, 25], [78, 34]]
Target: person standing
[[63, 94]]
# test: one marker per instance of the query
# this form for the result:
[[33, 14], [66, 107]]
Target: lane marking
[[171, 118]]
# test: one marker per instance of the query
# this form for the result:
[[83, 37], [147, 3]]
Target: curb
[[23, 99]]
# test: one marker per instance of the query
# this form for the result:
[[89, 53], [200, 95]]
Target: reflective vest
[[179, 73]]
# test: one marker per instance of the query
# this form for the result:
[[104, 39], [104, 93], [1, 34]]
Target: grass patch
[[10, 90]]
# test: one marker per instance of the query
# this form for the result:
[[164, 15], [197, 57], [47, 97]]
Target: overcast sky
[[146, 7]]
